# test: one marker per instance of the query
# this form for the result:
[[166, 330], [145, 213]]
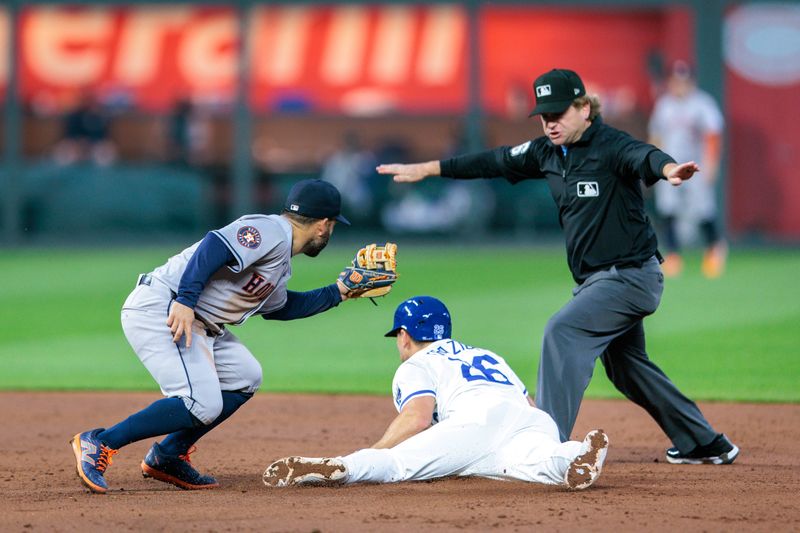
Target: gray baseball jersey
[[262, 246], [682, 123]]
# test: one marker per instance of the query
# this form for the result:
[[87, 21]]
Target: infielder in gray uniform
[[175, 320], [594, 173]]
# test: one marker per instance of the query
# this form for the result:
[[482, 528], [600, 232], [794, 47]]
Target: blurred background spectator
[[85, 134], [441, 207], [188, 133], [351, 168]]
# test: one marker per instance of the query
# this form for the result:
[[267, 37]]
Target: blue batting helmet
[[425, 318]]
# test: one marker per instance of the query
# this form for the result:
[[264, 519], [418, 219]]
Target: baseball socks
[[179, 442], [159, 418]]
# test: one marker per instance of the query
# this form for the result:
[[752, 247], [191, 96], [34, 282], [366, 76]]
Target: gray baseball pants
[[604, 319]]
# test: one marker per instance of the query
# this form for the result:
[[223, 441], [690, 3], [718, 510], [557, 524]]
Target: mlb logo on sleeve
[[588, 189], [521, 149]]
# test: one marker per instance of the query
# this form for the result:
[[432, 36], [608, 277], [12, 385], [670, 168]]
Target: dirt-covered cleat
[[305, 471], [584, 470]]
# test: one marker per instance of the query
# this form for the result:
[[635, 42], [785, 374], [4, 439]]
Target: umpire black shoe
[[176, 470], [720, 451]]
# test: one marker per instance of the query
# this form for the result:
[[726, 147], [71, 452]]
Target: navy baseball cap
[[555, 91], [424, 318], [315, 199]]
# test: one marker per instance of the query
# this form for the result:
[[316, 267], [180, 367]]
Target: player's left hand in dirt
[[372, 272]]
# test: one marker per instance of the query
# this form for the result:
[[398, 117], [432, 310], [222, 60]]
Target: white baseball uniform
[[217, 361], [482, 425], [681, 125]]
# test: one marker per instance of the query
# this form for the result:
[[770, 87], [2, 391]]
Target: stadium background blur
[[195, 125]]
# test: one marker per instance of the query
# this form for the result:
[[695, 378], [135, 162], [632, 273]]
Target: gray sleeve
[[251, 238]]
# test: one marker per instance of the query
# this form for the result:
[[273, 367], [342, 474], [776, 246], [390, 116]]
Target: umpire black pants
[[604, 319]]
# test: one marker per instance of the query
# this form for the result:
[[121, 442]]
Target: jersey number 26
[[477, 370]]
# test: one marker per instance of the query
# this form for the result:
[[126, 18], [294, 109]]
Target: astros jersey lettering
[[262, 246]]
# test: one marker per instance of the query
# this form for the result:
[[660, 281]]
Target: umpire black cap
[[556, 90], [315, 199]]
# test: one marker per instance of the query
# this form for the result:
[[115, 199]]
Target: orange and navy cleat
[[176, 470], [92, 458]]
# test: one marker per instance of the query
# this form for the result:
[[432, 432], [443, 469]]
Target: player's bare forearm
[[180, 320], [411, 172], [414, 418], [401, 428]]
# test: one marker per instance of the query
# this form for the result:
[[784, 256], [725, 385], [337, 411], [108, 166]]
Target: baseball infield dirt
[[637, 491]]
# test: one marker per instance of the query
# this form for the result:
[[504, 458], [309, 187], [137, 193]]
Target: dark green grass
[[735, 338]]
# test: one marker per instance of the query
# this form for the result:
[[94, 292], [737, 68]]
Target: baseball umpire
[[462, 412], [175, 320], [594, 173]]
